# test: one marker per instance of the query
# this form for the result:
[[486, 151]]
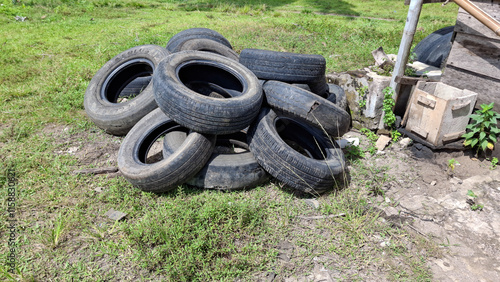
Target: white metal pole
[[404, 48]]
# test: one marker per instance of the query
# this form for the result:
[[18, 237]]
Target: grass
[[62, 234]]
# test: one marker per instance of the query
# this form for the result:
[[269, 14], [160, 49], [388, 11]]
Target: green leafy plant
[[482, 131], [388, 105], [494, 163], [471, 194], [451, 165], [372, 137], [472, 202], [395, 135], [362, 96], [354, 153]]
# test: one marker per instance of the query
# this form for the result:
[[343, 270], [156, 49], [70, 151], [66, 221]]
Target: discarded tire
[[204, 89], [207, 45], [297, 155], [170, 172], [231, 167], [287, 67], [435, 48], [101, 99], [195, 33], [197, 110], [296, 102]]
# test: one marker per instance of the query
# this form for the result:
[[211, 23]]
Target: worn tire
[[170, 172], [105, 88], [196, 33], [207, 45], [296, 102], [198, 110], [313, 174], [287, 67], [226, 169], [335, 94], [435, 48]]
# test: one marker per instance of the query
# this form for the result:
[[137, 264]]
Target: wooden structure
[[439, 113], [474, 60]]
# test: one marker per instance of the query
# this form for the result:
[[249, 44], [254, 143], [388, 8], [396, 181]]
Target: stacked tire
[[226, 121]]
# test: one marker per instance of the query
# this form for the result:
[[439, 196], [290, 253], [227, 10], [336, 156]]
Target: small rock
[[405, 142], [385, 244], [456, 180], [390, 211], [387, 200], [115, 215], [382, 142], [433, 183], [313, 203], [99, 189]]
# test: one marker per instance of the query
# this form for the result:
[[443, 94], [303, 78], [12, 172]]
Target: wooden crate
[[438, 112]]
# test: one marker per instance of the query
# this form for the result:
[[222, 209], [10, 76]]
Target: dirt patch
[[434, 192], [92, 148]]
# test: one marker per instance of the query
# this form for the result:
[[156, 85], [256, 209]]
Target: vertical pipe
[[404, 48]]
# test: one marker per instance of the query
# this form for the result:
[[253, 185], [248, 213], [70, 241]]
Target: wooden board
[[475, 54], [407, 2], [467, 24], [486, 87]]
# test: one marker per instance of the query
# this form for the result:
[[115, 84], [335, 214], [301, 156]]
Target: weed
[[494, 163], [372, 137], [354, 153], [477, 207], [363, 92], [388, 105], [471, 194], [395, 135], [483, 130], [451, 164], [474, 206]]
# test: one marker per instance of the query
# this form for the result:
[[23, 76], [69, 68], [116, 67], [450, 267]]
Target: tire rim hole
[[151, 148], [133, 89], [297, 137], [209, 77], [231, 144], [122, 77], [208, 89]]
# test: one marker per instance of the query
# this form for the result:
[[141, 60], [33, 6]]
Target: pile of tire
[[227, 121]]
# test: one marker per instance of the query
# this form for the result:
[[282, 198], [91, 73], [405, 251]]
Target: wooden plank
[[485, 87], [475, 54], [407, 2], [466, 23]]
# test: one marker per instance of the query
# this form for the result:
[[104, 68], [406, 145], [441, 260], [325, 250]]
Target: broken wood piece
[[382, 142], [100, 170], [381, 58]]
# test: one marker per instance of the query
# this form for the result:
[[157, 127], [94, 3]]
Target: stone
[[313, 203], [115, 215], [433, 183], [368, 88], [405, 142], [382, 142]]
